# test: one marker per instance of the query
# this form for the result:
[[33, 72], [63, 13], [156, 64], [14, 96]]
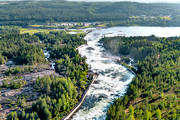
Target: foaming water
[[113, 78]]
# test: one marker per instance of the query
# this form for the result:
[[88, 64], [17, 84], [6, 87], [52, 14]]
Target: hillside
[[154, 92], [120, 13]]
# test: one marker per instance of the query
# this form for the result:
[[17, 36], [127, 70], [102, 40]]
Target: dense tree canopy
[[2, 59], [20, 47], [121, 13], [57, 94], [154, 92]]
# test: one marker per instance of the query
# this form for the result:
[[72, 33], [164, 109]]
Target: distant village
[[75, 24]]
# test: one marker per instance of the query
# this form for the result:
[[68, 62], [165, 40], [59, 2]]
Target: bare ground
[[10, 97]]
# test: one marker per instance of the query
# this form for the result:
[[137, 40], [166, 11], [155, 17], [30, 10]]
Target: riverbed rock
[[90, 48]]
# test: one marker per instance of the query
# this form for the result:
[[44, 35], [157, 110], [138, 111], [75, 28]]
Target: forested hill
[[121, 13], [154, 92]]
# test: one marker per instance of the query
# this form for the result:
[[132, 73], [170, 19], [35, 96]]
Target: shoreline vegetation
[[33, 93], [154, 92], [78, 105], [130, 68]]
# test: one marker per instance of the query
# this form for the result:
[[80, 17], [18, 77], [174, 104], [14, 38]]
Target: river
[[113, 78]]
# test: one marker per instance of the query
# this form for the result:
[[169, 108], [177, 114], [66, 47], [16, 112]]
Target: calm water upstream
[[113, 78]]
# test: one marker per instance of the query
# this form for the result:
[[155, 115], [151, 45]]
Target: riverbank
[[23, 85], [153, 91], [78, 105], [111, 83]]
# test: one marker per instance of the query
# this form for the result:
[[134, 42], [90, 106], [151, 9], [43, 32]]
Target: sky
[[144, 1]]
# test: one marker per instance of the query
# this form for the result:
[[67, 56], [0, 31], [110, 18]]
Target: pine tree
[[158, 114], [131, 113]]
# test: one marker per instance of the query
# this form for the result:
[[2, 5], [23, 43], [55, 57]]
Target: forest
[[24, 13], [19, 48], [154, 92], [54, 95]]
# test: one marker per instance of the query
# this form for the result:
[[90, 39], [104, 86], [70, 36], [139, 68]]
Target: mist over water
[[112, 81], [113, 78]]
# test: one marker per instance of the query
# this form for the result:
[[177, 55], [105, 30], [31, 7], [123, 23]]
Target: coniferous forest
[[119, 13], [56, 95], [43, 76], [154, 92]]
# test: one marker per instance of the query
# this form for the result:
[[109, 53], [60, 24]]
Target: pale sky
[[144, 1]]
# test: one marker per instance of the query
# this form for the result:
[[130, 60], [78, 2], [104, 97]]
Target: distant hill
[[121, 13]]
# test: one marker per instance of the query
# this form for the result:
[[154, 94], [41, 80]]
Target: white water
[[113, 78]]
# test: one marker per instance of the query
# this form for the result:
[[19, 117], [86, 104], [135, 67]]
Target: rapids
[[113, 79]]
